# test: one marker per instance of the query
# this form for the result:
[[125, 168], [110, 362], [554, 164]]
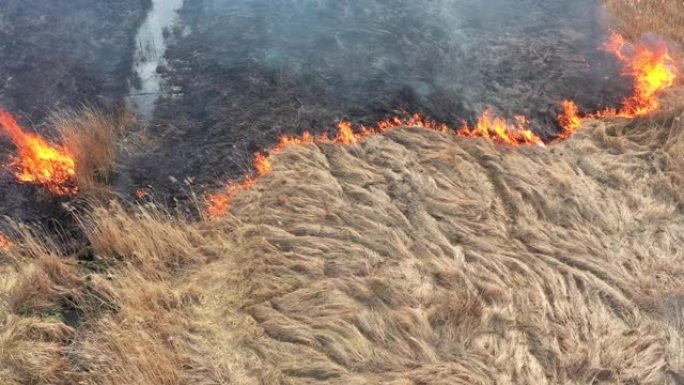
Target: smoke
[[450, 57], [245, 72]]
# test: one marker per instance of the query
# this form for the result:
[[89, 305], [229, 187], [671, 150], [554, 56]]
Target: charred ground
[[410, 257], [241, 74], [61, 54]]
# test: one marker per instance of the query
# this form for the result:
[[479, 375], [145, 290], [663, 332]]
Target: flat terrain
[[241, 74], [60, 54], [413, 257]]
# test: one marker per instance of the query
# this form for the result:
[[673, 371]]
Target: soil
[[241, 74]]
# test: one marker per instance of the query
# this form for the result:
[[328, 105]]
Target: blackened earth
[[60, 54], [243, 73]]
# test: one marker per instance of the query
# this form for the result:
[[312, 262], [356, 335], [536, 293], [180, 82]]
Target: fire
[[218, 203], [569, 119], [488, 126], [499, 130], [38, 161], [262, 164], [5, 242], [653, 70], [345, 133]]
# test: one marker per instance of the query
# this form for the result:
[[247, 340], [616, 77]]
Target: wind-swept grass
[[411, 256]]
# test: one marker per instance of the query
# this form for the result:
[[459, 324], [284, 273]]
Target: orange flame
[[38, 161], [218, 203], [5, 242], [499, 130], [140, 194], [262, 164], [653, 70], [569, 119], [494, 128]]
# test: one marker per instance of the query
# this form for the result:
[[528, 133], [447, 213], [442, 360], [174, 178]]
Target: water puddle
[[149, 54]]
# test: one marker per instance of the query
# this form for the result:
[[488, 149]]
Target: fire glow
[[5, 242], [488, 126], [38, 161], [653, 71]]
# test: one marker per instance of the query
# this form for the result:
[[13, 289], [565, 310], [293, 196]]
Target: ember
[[38, 161], [4, 242]]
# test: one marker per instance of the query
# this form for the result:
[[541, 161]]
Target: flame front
[[499, 130], [488, 126], [653, 70], [569, 119], [38, 161]]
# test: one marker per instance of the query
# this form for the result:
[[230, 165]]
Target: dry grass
[[410, 258], [639, 17], [92, 137], [129, 325], [35, 285]]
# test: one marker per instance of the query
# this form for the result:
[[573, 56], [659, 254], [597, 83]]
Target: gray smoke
[[246, 71], [518, 56]]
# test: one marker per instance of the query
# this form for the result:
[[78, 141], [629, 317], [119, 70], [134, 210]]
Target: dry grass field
[[410, 258], [413, 257], [638, 17]]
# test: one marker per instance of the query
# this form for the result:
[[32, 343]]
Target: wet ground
[[150, 49], [241, 73]]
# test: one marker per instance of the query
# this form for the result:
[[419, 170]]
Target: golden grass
[[410, 258], [91, 136], [635, 18]]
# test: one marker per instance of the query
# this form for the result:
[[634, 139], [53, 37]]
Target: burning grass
[[494, 128], [81, 162], [39, 161], [408, 256], [651, 67], [382, 254], [653, 71]]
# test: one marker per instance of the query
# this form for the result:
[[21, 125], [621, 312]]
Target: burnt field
[[240, 74], [60, 54], [64, 53], [282, 217]]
